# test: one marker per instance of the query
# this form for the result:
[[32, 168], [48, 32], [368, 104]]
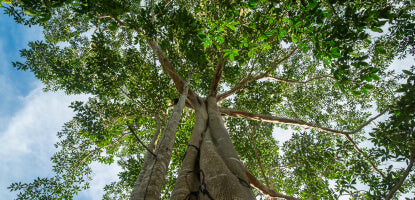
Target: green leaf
[[294, 38], [375, 77], [368, 86], [407, 72], [356, 93], [207, 43], [335, 52], [251, 53], [30, 13], [220, 39], [235, 52], [376, 29], [231, 56], [231, 26]]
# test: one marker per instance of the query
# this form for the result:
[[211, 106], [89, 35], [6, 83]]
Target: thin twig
[[292, 109], [261, 167], [366, 158], [141, 142], [247, 80], [298, 82]]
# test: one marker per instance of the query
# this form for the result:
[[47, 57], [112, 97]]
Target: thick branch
[[297, 82], [268, 118], [257, 184], [169, 70], [399, 184], [214, 86], [245, 81], [152, 145], [165, 64], [361, 152]]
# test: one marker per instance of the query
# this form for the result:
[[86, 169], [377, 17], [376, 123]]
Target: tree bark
[[405, 174], [215, 171], [268, 118], [188, 182], [169, 70], [268, 192], [150, 181]]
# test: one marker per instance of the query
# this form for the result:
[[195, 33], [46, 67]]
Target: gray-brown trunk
[[150, 181], [211, 168]]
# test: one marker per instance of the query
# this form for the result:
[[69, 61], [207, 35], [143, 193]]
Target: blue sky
[[30, 118]]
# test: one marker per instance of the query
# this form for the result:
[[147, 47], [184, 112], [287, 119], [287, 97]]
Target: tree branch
[[257, 184], [261, 167], [152, 145], [298, 82], [297, 122], [245, 81], [165, 64], [366, 158], [405, 174], [169, 70], [214, 86], [141, 142]]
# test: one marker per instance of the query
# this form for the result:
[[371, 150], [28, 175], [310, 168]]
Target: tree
[[253, 67]]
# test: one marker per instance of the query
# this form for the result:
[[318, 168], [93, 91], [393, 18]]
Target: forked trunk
[[211, 168]]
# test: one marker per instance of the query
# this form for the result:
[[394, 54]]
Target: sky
[[30, 118]]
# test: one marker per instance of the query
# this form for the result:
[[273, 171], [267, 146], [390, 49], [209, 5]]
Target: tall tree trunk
[[214, 170], [187, 183], [150, 181]]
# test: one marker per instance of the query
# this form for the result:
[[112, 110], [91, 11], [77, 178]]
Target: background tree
[[314, 66]]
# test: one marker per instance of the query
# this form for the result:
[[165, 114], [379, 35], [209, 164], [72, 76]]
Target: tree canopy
[[319, 68]]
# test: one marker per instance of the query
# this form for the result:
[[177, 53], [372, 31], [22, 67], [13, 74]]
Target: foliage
[[321, 62]]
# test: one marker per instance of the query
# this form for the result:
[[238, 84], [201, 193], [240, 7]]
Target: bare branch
[[366, 158], [167, 3], [297, 82], [257, 184], [405, 174], [261, 167], [216, 78], [297, 122], [141, 142], [245, 81], [278, 63]]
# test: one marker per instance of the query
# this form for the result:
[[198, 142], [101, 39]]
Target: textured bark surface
[[150, 181], [214, 170], [266, 191], [188, 182]]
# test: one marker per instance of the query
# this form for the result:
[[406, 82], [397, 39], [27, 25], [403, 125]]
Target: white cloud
[[26, 144], [103, 175]]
